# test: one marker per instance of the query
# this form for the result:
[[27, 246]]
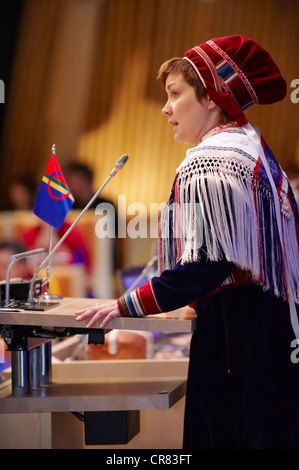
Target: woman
[[229, 247]]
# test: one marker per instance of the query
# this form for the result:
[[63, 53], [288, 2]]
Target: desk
[[144, 390], [178, 321]]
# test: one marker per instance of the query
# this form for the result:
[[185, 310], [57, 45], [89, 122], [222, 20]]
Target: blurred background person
[[21, 193], [23, 268], [20, 269], [80, 180], [73, 250]]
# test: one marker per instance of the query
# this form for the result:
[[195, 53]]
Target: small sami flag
[[54, 199]]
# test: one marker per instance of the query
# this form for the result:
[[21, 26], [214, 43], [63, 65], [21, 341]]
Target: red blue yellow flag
[[54, 198]]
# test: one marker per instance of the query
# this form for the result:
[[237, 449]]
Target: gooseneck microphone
[[13, 259], [118, 166]]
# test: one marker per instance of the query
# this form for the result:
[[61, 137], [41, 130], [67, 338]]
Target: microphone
[[118, 166], [13, 259]]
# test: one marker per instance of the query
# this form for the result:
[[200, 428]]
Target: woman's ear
[[212, 105]]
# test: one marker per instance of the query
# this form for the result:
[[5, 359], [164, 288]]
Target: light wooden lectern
[[51, 394]]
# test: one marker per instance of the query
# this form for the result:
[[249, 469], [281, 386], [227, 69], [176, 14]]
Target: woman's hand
[[105, 312]]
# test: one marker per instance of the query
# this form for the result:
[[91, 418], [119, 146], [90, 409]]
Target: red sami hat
[[237, 72]]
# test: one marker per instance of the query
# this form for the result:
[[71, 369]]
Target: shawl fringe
[[222, 205]]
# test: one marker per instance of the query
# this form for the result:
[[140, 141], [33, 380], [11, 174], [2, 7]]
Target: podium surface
[[97, 386], [101, 393], [178, 321]]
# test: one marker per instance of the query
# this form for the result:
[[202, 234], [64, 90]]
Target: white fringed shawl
[[222, 202]]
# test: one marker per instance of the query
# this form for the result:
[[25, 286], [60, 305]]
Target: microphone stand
[[119, 164], [13, 259]]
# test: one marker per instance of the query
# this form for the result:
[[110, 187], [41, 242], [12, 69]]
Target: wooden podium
[[89, 388]]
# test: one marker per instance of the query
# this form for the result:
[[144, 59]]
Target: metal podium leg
[[31, 369], [20, 372], [46, 363], [35, 368]]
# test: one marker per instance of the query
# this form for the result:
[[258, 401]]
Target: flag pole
[[47, 295], [48, 271]]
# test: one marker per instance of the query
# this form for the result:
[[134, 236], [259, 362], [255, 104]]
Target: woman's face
[[190, 119]]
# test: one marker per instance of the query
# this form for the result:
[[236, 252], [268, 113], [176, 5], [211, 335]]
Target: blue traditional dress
[[229, 246]]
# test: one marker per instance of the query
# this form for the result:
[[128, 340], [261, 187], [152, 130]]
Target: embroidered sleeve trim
[[139, 302]]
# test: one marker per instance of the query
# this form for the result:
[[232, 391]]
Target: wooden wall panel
[[97, 108]]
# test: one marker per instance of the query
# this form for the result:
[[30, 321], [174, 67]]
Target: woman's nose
[[166, 109]]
